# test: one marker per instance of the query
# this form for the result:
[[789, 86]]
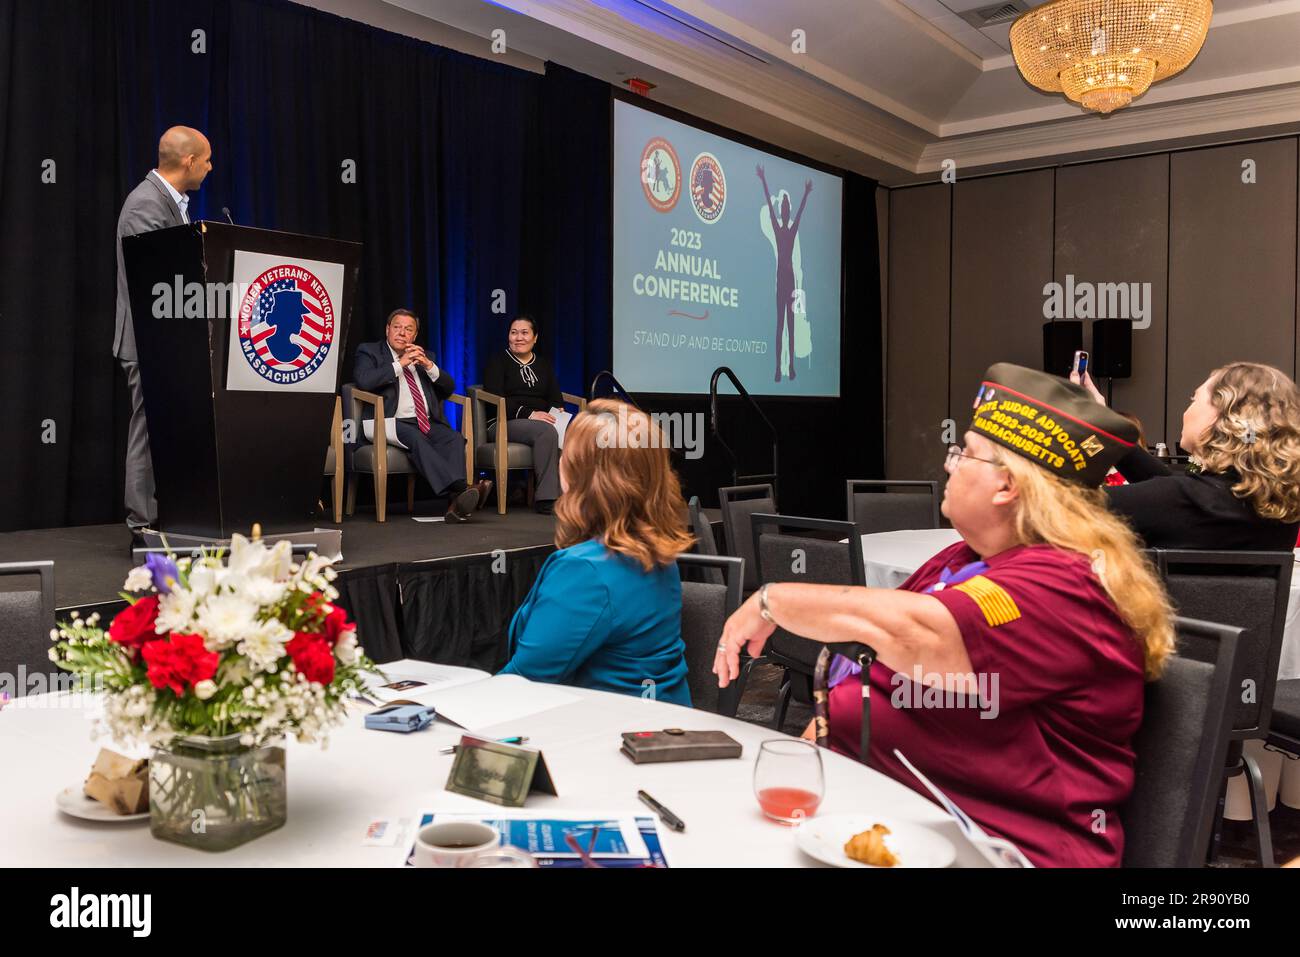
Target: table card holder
[[503, 774]]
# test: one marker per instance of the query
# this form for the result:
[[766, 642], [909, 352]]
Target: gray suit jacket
[[149, 206]]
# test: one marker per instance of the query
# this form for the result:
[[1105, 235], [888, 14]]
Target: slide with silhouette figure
[[723, 255]]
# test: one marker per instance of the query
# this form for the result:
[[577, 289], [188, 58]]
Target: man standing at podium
[[184, 159], [413, 390]]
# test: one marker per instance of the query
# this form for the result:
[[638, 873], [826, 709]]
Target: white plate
[[914, 845], [73, 801]]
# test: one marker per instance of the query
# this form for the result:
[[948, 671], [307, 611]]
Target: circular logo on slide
[[708, 188], [286, 324], [661, 174]]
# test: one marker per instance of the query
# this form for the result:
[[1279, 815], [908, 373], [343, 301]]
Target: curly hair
[[1257, 432], [621, 486], [1075, 518]]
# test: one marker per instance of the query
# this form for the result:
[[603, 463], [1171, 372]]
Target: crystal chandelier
[[1103, 53]]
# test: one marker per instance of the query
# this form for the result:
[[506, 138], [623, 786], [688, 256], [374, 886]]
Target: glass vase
[[214, 793]]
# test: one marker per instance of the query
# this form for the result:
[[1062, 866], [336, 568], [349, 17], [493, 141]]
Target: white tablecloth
[[365, 775], [891, 557]]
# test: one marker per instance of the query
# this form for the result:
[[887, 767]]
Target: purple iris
[[164, 571]]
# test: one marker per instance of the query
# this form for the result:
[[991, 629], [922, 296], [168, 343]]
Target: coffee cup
[[453, 843]]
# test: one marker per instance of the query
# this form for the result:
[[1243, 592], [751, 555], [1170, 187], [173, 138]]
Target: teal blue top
[[596, 619]]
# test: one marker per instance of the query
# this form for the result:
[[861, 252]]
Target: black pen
[[665, 815]]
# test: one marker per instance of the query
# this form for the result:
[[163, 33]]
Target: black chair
[[1181, 748], [27, 610], [705, 610], [874, 505], [738, 503], [833, 556], [1248, 590], [1284, 730], [705, 543]]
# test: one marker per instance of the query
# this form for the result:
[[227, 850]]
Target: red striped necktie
[[417, 396]]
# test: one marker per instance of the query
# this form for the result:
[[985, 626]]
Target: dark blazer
[[372, 371], [1179, 509], [148, 207]]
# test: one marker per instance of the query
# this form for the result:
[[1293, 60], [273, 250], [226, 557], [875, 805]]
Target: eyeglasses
[[956, 453]]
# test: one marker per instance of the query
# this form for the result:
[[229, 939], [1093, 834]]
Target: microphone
[[226, 210]]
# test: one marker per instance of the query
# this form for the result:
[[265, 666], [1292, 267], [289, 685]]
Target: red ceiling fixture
[[639, 86]]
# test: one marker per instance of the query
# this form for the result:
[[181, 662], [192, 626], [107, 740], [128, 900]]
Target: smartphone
[[1080, 364]]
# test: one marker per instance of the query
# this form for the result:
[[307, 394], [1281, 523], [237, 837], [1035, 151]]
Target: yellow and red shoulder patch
[[994, 603]]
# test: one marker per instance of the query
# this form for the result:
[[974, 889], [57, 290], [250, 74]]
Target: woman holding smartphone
[[1242, 429]]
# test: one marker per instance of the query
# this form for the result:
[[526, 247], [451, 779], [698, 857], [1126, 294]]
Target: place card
[[503, 774]]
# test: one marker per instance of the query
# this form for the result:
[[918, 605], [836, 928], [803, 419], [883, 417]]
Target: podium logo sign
[[282, 336]]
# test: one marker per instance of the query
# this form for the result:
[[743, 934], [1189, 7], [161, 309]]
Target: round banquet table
[[367, 775], [890, 558]]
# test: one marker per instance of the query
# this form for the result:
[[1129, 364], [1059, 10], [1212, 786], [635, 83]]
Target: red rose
[[335, 624], [312, 656], [133, 626], [182, 662]]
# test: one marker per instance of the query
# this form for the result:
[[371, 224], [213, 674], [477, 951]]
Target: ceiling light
[[1085, 31]]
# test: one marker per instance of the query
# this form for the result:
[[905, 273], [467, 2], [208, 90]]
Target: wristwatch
[[763, 609]]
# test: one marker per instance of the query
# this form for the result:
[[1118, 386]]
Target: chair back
[[351, 413], [706, 606], [27, 610], [479, 413], [705, 542], [1181, 748], [1284, 725], [821, 559], [1250, 591], [891, 505], [738, 503]]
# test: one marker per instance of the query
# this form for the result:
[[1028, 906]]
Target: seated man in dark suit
[[393, 369]]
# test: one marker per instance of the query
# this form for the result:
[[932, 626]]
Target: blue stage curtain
[[471, 177]]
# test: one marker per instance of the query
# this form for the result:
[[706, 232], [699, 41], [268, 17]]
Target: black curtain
[[471, 177], [458, 611]]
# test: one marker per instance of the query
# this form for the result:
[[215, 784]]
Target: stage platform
[[425, 590], [91, 561]]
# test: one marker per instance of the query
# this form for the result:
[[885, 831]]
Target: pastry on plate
[[869, 847]]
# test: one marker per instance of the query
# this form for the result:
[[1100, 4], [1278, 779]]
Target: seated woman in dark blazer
[[606, 609], [1242, 430], [528, 384]]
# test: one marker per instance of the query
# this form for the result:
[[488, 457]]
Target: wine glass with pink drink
[[788, 779]]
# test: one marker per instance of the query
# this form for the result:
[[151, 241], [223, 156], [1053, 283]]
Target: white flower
[[175, 612], [263, 645], [346, 648], [138, 579], [203, 580], [226, 618], [205, 689], [261, 591], [254, 559]]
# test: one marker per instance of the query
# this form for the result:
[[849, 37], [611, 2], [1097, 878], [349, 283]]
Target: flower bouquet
[[215, 660]]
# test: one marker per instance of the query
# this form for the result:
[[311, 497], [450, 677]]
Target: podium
[[240, 334]]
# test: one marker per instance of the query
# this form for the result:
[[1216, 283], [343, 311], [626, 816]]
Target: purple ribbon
[[842, 667]]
